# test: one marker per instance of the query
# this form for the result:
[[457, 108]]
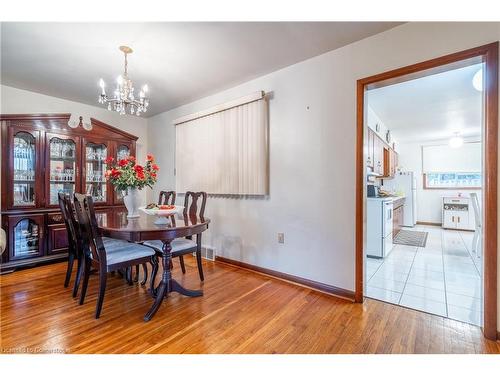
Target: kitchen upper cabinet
[[390, 162], [380, 156]]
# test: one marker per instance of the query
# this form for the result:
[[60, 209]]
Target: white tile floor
[[442, 278]]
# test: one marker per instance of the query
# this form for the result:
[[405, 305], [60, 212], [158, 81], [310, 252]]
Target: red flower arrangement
[[127, 173]]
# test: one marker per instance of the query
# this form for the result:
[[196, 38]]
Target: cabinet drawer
[[58, 239], [55, 218]]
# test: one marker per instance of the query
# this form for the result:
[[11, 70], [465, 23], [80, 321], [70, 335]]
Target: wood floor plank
[[240, 312]]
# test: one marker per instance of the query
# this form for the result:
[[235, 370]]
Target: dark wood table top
[[116, 224]]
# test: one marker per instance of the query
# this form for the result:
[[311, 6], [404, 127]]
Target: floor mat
[[410, 238]]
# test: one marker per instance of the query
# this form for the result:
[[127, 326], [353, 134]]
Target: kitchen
[[424, 181]]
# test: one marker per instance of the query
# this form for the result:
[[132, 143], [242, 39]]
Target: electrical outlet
[[281, 237]]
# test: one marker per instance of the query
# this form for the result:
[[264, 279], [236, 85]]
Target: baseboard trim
[[429, 223], [310, 284]]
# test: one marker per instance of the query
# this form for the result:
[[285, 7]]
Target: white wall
[[312, 152], [372, 119], [429, 201], [14, 100]]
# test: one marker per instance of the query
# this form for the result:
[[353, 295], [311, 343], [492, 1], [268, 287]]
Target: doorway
[[487, 56]]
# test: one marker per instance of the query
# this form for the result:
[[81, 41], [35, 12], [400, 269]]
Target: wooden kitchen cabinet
[[398, 216], [380, 156], [390, 162]]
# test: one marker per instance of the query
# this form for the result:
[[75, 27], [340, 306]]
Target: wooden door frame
[[488, 54]]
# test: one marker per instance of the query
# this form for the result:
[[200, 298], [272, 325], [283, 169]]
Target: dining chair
[[183, 246], [74, 248], [106, 256], [476, 247], [166, 197]]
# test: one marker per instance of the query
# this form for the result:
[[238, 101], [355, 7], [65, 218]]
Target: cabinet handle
[[453, 219], [458, 219]]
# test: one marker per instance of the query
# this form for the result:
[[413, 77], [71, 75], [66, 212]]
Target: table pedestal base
[[167, 284]]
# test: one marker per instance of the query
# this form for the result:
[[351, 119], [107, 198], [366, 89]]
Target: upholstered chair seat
[[179, 244]]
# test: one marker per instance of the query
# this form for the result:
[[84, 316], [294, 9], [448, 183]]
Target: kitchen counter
[[393, 199]]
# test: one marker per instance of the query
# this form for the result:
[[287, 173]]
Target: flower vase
[[131, 200]]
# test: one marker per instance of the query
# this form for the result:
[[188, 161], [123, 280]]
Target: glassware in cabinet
[[24, 169], [123, 151], [95, 168], [26, 236], [62, 167]]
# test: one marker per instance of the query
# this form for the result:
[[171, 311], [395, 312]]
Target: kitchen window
[[452, 180]]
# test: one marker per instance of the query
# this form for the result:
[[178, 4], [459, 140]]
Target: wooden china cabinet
[[42, 156]]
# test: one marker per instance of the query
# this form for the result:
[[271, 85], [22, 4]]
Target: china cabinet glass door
[[62, 166], [95, 168], [27, 236], [123, 151], [24, 169]]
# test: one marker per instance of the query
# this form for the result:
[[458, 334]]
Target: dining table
[[115, 224]]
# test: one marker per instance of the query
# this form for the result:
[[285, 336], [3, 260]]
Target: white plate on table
[[162, 214]]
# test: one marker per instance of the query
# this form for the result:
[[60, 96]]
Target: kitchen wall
[[312, 113], [372, 119], [429, 201], [14, 100]]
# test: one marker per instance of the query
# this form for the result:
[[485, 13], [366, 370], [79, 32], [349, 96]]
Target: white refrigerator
[[406, 183]]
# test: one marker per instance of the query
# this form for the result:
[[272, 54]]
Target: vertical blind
[[225, 152]]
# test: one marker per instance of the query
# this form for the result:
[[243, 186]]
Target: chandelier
[[124, 100]]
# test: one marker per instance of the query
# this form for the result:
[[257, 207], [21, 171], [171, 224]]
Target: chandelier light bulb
[[103, 92], [145, 88]]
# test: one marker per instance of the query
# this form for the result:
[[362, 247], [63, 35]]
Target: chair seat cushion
[[179, 244], [109, 240], [117, 252]]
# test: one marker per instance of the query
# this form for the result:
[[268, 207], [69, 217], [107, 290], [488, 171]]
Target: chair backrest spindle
[[166, 197], [192, 208], [88, 224]]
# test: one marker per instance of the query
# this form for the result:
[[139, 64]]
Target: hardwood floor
[[241, 312]]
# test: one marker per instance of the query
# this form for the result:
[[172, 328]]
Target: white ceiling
[[430, 108], [180, 62]]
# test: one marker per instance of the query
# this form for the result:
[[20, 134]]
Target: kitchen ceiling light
[[123, 99], [456, 141], [477, 80]]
